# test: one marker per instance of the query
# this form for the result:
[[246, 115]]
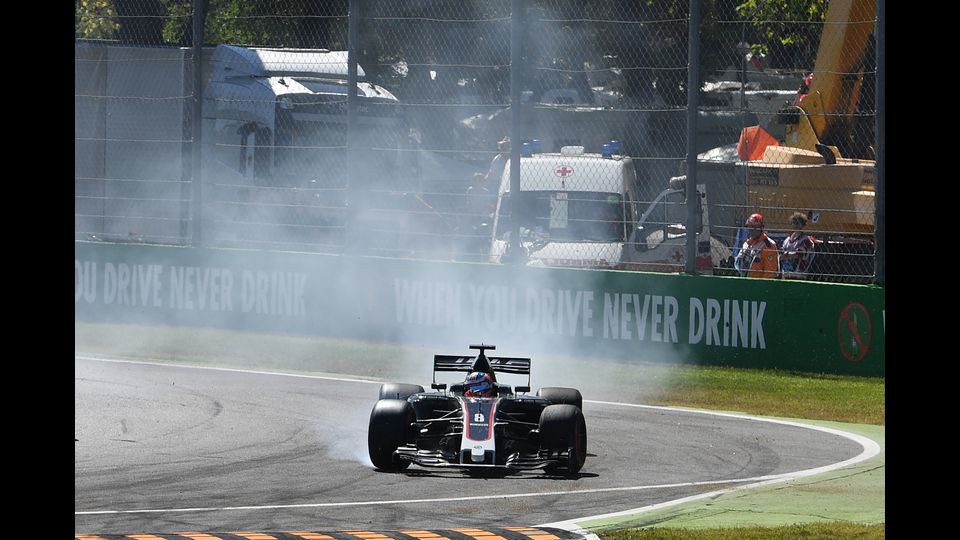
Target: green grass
[[858, 400], [811, 531], [765, 392]]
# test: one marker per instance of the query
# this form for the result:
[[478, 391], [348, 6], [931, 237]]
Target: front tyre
[[558, 395], [390, 422], [563, 428]]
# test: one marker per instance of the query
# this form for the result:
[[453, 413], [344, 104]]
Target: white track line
[[213, 368], [870, 449]]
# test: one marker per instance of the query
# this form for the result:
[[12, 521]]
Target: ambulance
[[582, 210]]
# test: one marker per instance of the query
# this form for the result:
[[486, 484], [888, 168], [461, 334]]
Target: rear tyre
[[399, 390], [558, 396], [563, 428], [390, 423]]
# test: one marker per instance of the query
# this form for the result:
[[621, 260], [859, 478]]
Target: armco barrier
[[812, 327]]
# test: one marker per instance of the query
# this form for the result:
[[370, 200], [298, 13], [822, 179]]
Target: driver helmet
[[479, 384]]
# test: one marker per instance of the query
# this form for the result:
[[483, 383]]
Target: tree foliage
[[96, 19], [264, 23], [786, 29], [399, 39]]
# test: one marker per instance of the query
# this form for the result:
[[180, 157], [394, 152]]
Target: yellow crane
[[825, 166], [836, 112]]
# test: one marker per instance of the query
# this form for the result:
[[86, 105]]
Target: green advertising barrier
[[812, 327]]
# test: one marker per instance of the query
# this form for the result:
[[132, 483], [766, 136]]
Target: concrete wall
[[134, 103], [89, 123]]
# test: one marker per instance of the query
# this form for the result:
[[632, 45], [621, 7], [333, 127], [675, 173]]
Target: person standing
[[485, 188], [798, 250], [499, 163], [758, 256], [480, 203], [482, 193]]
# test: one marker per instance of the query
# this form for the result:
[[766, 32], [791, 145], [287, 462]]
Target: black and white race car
[[505, 429]]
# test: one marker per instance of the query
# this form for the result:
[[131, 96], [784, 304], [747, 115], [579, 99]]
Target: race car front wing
[[516, 460]]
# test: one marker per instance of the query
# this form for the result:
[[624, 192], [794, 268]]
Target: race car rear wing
[[489, 364], [501, 364]]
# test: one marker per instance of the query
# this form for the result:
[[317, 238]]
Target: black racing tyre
[[390, 423], [562, 427], [399, 390], [557, 396]]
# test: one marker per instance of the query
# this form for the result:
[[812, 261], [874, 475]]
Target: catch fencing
[[221, 123]]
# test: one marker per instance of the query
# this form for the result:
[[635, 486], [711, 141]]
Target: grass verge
[[858, 400], [808, 531]]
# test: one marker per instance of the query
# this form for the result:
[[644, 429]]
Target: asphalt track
[[163, 448]]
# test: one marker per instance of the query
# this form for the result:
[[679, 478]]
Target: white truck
[[280, 115], [578, 209]]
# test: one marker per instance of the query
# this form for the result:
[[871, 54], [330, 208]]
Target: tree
[[96, 19], [264, 23], [788, 30]]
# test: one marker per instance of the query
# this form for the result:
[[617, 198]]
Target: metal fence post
[[515, 249], [196, 214], [353, 194], [693, 106], [880, 225]]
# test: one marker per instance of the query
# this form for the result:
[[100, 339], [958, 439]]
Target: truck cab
[[660, 238], [279, 115]]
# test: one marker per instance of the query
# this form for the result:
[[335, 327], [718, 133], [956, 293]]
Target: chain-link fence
[[409, 155], [800, 78]]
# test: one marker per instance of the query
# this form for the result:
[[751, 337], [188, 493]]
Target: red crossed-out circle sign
[[563, 171], [854, 332]]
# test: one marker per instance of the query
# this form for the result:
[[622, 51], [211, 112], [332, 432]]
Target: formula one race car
[[479, 423]]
